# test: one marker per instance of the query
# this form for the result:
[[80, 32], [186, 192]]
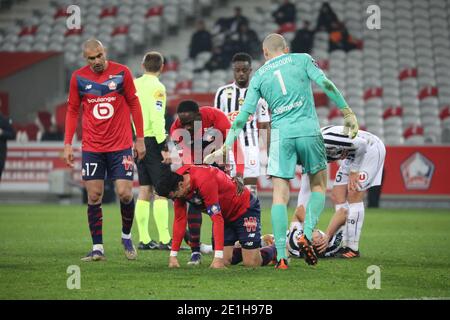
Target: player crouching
[[234, 211]]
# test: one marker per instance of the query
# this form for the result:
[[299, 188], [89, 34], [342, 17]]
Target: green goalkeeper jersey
[[285, 83]]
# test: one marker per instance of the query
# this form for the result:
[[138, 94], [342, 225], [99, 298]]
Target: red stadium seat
[[28, 31], [320, 99], [73, 32], [31, 130], [444, 115], [413, 130], [44, 119], [61, 12], [323, 64], [109, 12], [407, 73], [428, 92], [183, 86], [373, 93], [120, 30], [155, 11], [60, 116], [334, 113], [393, 112], [287, 27]]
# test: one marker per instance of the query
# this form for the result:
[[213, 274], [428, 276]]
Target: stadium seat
[[414, 135]]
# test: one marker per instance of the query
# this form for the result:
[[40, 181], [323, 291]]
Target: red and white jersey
[[213, 192], [107, 100], [229, 99]]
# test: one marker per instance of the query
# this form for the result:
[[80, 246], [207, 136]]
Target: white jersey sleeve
[[262, 113]]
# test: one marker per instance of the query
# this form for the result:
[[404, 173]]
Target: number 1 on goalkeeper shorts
[[280, 79]]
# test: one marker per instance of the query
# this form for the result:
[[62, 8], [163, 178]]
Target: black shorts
[[112, 165], [246, 229], [150, 169]]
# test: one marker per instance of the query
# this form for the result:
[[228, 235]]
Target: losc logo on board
[[417, 172]]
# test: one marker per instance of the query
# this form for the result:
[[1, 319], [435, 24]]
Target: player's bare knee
[[95, 197], [125, 194]]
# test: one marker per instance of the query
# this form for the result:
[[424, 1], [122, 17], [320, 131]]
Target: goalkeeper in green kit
[[284, 81]]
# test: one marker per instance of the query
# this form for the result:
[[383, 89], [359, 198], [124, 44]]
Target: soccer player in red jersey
[[235, 217], [106, 92], [199, 131]]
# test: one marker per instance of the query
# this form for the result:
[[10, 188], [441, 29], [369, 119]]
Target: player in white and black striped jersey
[[229, 99], [361, 168]]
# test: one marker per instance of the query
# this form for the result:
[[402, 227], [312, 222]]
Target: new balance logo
[[88, 87], [129, 174]]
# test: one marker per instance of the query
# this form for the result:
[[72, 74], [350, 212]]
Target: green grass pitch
[[39, 243]]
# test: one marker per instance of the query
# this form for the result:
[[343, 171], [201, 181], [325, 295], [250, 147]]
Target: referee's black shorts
[[150, 169]]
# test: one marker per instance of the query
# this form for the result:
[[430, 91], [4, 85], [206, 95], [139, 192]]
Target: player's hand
[[350, 123], [239, 181], [68, 155], [218, 154], [139, 148], [173, 262], [353, 183], [217, 263], [322, 244], [166, 157]]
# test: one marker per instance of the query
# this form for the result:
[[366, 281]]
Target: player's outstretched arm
[[317, 75], [350, 123]]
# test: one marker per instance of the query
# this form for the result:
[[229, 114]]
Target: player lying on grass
[[361, 168], [326, 244], [235, 216]]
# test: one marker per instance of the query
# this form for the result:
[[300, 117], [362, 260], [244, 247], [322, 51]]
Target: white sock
[[206, 248], [98, 247], [355, 219], [126, 236], [344, 234]]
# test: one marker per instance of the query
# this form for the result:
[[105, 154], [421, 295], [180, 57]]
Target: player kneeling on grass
[[234, 211], [361, 168]]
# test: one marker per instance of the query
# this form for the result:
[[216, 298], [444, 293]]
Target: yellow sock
[[161, 214], [142, 214]]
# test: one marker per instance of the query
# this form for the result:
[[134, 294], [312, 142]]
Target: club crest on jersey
[[250, 224], [214, 209], [241, 101], [127, 162], [112, 85], [363, 176]]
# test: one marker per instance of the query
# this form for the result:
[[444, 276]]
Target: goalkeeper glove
[[350, 123], [220, 153]]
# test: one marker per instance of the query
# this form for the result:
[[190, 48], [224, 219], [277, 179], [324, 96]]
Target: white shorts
[[252, 166], [371, 170], [252, 163]]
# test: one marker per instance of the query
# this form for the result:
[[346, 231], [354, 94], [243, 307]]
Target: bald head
[[95, 54], [274, 45], [92, 44]]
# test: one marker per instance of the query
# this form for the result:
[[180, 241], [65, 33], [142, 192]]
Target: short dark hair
[[168, 183], [242, 56], [152, 61], [188, 106]]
